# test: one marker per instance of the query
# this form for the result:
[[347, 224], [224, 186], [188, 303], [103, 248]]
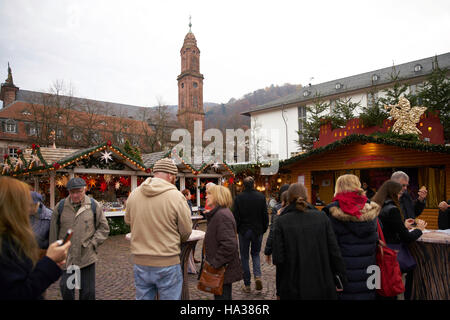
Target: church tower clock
[[190, 84]]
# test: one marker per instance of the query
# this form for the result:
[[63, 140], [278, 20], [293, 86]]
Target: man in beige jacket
[[90, 230], [160, 220]]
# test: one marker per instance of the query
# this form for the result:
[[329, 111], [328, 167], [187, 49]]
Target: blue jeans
[[250, 241], [166, 281]]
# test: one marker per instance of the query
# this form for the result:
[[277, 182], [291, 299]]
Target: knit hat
[[165, 165]]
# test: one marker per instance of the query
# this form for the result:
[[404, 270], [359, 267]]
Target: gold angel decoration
[[406, 116]]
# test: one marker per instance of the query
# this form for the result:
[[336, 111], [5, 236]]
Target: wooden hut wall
[[371, 155]]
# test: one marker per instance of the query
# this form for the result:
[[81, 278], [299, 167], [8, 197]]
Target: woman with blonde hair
[[220, 244], [305, 251], [354, 221], [22, 274]]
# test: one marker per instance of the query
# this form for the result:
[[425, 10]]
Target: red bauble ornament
[[56, 165], [19, 151], [108, 143], [231, 180], [148, 170], [33, 146]]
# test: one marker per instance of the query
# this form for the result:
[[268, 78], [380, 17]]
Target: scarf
[[351, 202]]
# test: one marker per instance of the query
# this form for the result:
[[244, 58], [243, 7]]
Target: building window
[[182, 85], [59, 133], [26, 112], [195, 84], [375, 77], [12, 152], [76, 136], [32, 131], [417, 68], [195, 101], [103, 123], [11, 126], [306, 93], [338, 86], [371, 98]]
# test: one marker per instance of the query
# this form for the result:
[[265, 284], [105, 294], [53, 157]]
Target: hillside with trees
[[228, 115]]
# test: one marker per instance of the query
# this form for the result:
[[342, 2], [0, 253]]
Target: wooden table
[[431, 280], [195, 221]]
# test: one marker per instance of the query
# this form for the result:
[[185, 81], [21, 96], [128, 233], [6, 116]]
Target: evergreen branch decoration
[[361, 138]]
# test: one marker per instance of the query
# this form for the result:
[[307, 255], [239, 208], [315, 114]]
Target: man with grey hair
[[86, 218], [410, 208]]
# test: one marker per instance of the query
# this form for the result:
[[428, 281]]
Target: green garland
[[361, 138]]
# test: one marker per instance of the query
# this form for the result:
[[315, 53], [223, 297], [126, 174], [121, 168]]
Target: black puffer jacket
[[357, 239]]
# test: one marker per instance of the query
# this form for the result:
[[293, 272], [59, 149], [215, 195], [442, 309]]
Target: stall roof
[[360, 138]]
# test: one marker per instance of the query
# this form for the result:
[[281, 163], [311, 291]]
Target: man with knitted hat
[[160, 220]]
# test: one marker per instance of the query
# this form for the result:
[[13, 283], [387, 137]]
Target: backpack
[[61, 206]]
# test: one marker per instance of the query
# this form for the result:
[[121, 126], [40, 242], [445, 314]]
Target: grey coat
[[86, 237]]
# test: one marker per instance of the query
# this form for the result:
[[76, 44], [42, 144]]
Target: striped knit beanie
[[166, 165]]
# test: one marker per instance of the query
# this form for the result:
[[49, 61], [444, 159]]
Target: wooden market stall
[[110, 173], [373, 159]]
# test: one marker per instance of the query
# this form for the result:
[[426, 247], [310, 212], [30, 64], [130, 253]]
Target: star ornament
[[106, 156]]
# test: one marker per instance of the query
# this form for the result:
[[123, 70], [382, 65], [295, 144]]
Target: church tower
[[190, 84]]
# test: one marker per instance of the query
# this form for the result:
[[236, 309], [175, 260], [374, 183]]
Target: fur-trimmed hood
[[362, 227], [369, 212]]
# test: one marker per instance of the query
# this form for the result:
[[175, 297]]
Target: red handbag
[[391, 276]]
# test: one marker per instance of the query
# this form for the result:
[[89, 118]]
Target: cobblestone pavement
[[115, 280]]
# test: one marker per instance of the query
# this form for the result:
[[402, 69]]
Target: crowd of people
[[317, 254]]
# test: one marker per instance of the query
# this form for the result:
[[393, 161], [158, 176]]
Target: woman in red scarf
[[353, 218]]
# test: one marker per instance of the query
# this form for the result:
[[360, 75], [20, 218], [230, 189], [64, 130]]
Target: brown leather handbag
[[211, 279]]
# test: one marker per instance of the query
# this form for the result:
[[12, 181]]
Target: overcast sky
[[129, 51]]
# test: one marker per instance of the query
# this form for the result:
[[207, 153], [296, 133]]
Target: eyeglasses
[[405, 185]]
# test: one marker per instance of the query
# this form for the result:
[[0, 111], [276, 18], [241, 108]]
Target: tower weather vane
[[190, 23]]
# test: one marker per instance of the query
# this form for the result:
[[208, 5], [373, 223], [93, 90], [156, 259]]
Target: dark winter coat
[[18, 279], [357, 239], [411, 209], [40, 222], [307, 255], [221, 244], [444, 218], [250, 212], [393, 226]]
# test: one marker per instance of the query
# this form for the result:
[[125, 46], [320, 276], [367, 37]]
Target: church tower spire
[[8, 90], [190, 84]]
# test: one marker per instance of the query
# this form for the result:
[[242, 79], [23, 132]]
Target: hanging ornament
[[60, 182], [215, 166], [103, 186], [231, 180], [107, 178], [92, 182], [106, 156], [124, 181], [117, 185]]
